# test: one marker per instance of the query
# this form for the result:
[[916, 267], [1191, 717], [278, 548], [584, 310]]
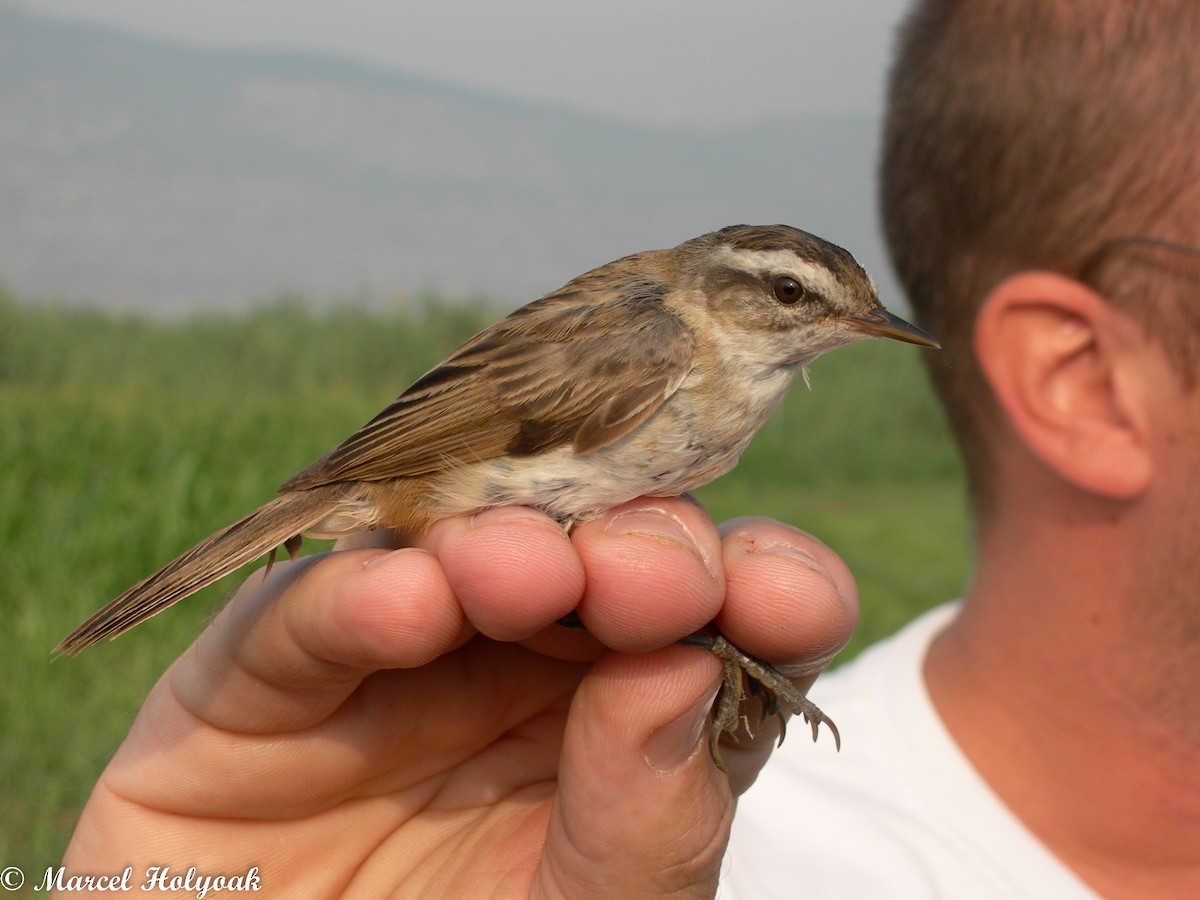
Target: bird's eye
[[788, 290]]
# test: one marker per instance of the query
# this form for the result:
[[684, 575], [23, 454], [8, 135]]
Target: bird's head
[[786, 294]]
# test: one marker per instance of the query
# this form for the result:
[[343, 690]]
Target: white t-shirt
[[899, 813]]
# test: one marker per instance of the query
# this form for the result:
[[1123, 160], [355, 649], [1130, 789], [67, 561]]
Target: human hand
[[413, 722]]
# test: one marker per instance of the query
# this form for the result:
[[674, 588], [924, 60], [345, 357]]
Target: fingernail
[[790, 551], [750, 545], [502, 515], [670, 746], [658, 524], [376, 559], [387, 555]]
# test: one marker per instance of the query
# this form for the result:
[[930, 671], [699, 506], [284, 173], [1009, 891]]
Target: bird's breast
[[693, 438], [573, 487]]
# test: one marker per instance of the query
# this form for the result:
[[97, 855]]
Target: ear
[[1063, 365]]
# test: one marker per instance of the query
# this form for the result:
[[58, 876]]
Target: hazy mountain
[[148, 174]]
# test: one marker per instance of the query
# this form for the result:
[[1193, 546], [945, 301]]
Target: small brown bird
[[647, 376]]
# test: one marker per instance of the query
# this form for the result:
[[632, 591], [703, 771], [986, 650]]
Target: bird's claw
[[743, 672]]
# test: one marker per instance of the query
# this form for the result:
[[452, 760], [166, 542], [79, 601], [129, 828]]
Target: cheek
[[1173, 420], [1181, 438], [1179, 465], [1180, 533]]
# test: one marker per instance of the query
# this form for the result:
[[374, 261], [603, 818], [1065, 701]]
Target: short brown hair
[[1024, 134]]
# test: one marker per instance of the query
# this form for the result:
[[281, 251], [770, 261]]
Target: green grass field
[[123, 440]]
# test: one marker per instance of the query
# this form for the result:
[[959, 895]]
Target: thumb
[[641, 808]]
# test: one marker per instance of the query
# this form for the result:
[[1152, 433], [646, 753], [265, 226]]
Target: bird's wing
[[560, 371]]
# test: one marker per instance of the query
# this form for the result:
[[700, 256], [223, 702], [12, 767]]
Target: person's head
[[1025, 135]]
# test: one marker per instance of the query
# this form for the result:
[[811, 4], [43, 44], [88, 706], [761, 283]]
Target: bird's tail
[[265, 529]]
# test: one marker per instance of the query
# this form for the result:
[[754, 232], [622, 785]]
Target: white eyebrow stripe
[[813, 276]]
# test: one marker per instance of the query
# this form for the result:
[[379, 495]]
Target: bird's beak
[[881, 323]]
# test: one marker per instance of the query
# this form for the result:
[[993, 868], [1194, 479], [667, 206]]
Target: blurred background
[[232, 231], [173, 156]]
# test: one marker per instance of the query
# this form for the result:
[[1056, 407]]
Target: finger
[[513, 569], [285, 652], [641, 809], [789, 599], [654, 573]]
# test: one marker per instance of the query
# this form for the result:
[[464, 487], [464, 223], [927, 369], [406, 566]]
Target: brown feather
[[232, 547], [563, 366]]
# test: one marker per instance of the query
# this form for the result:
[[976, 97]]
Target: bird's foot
[[745, 673]]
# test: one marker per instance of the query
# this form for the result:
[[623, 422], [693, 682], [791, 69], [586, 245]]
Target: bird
[[647, 376]]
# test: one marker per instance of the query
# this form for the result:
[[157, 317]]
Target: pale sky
[[664, 62]]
